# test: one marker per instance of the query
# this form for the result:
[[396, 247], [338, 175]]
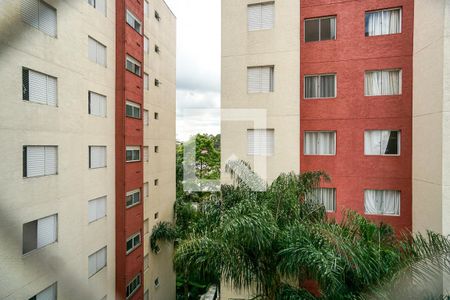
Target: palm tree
[[277, 241]]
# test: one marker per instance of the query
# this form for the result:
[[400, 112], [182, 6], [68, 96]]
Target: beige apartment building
[[59, 158]]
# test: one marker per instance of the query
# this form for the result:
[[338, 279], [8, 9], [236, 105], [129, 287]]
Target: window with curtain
[[326, 197], [382, 22], [320, 143], [382, 142], [382, 202], [320, 29], [260, 142], [383, 82], [260, 79], [320, 86]]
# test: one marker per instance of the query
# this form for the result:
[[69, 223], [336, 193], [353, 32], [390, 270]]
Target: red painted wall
[[351, 113], [129, 132]]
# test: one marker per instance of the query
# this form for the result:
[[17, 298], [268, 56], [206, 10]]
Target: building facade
[[366, 102], [88, 162]]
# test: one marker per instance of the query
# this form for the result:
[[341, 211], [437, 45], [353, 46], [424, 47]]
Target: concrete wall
[[431, 117], [241, 49], [71, 128], [161, 133]]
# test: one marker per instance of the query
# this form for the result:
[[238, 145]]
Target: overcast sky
[[198, 66]]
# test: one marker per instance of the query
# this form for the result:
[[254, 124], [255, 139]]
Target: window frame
[[400, 88], [135, 246], [104, 266], [136, 288], [38, 248], [135, 63], [133, 150], [44, 3], [103, 46], [90, 154], [128, 12], [319, 76], [384, 214], [89, 104], [383, 10], [320, 131], [26, 90], [271, 83], [106, 208], [266, 130], [55, 285], [320, 28], [25, 161], [131, 193], [399, 142], [133, 105], [273, 15], [321, 202]]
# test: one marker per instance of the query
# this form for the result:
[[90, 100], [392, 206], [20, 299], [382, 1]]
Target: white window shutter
[[101, 258], [260, 141], [47, 19], [145, 153], [146, 117], [267, 15], [30, 12], [146, 189], [101, 54], [266, 79], [254, 17], [51, 160], [35, 161], [98, 156], [92, 210], [101, 207], [92, 264], [101, 6], [38, 87], [46, 231], [146, 44], [52, 91], [92, 50], [253, 80]]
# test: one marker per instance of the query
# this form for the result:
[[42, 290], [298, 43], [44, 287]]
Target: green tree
[[278, 240]]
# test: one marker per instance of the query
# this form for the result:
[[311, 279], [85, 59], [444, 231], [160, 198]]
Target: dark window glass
[[29, 236], [312, 32], [392, 147], [327, 29]]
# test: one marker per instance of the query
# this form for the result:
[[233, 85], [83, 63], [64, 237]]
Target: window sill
[[382, 155], [132, 205], [320, 98], [96, 220], [132, 161], [382, 215], [319, 154], [98, 271], [97, 168], [37, 250], [383, 35], [132, 250]]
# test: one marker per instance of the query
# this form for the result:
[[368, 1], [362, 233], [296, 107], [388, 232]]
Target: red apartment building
[[356, 105]]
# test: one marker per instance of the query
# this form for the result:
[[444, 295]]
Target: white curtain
[[378, 83], [320, 143], [373, 83], [391, 21], [373, 23], [376, 141], [382, 202], [326, 197]]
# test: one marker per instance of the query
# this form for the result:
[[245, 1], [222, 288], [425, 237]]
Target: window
[[133, 66], [146, 226], [47, 294], [382, 22], [320, 29], [40, 161], [132, 110], [133, 22], [39, 88], [383, 83], [382, 142], [157, 50], [146, 9], [146, 44], [97, 104], [40, 15], [156, 182], [146, 153], [382, 202], [97, 209], [157, 282], [320, 143], [156, 216], [133, 198], [260, 16], [326, 197], [96, 52], [260, 141], [100, 5], [157, 82], [133, 286], [156, 149], [133, 153], [97, 157], [146, 262], [146, 82], [97, 261], [157, 16], [156, 116], [133, 242], [146, 193], [146, 117], [39, 233], [260, 79], [146, 295], [320, 86]]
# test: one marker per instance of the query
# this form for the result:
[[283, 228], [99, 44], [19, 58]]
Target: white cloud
[[198, 64]]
